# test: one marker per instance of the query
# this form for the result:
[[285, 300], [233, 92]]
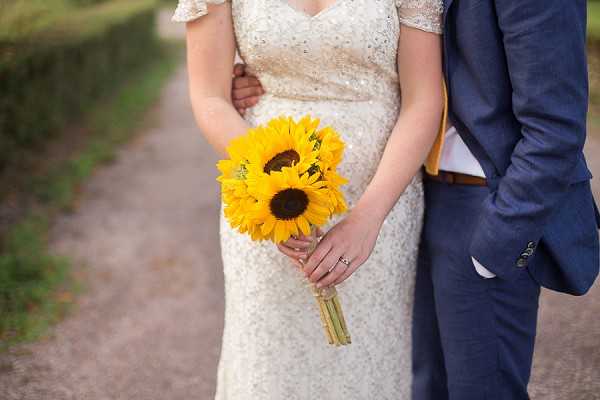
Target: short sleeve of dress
[[421, 14], [189, 10]]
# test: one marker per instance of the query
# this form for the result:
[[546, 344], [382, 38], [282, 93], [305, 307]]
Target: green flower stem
[[330, 323], [336, 322], [338, 307], [322, 311]]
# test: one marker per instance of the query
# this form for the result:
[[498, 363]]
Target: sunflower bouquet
[[281, 180]]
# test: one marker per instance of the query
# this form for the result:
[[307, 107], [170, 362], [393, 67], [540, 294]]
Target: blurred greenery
[[594, 19], [594, 62], [35, 288], [25, 18], [97, 64], [54, 66]]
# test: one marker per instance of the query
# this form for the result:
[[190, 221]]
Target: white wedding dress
[[340, 66]]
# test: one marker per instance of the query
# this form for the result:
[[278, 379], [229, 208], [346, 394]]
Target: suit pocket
[[582, 173], [570, 251]]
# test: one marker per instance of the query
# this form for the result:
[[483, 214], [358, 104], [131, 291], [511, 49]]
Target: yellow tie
[[432, 164]]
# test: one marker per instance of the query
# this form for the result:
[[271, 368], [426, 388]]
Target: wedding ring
[[332, 268], [345, 261]]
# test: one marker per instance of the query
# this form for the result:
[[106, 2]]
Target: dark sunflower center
[[289, 204], [284, 159]]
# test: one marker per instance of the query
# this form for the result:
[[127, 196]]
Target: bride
[[345, 62]]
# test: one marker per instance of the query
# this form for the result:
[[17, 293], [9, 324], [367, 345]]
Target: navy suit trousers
[[473, 338]]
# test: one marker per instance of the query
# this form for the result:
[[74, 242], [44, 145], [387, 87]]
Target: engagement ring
[[345, 261]]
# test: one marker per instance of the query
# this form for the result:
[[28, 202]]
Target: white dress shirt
[[456, 157]]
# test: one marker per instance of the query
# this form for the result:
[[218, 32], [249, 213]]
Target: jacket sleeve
[[544, 42]]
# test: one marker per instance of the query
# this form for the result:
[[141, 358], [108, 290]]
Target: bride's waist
[[390, 98], [272, 105]]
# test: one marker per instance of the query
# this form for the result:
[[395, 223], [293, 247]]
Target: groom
[[511, 208], [517, 80]]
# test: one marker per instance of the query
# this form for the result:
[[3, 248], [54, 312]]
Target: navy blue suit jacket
[[517, 79]]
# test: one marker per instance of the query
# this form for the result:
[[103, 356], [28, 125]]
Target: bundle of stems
[[332, 316], [330, 309]]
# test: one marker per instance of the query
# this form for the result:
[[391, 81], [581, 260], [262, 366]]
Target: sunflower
[[336, 197], [283, 143], [331, 148], [237, 201], [239, 206], [290, 202], [234, 169]]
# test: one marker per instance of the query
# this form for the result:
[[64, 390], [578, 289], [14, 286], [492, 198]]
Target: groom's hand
[[245, 89]]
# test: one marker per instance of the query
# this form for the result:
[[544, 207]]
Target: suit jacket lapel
[[447, 5]]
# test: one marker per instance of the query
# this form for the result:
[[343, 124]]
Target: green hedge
[[49, 76], [37, 287], [594, 20]]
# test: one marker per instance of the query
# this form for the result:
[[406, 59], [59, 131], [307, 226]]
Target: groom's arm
[[544, 42]]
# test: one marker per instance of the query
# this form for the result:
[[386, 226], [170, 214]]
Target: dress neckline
[[307, 15]]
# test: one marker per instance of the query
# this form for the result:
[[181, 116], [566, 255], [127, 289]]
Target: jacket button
[[522, 262], [528, 252]]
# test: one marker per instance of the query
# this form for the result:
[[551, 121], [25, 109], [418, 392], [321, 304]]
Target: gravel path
[[149, 323], [146, 234]]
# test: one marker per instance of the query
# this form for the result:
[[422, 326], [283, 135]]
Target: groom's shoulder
[[495, 9], [479, 20]]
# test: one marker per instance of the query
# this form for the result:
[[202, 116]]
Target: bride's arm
[[420, 69], [211, 55]]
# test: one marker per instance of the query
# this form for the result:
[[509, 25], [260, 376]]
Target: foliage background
[[76, 76]]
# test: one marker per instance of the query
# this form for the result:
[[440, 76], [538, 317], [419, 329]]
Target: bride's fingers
[[316, 257], [332, 276], [347, 273], [294, 254], [319, 233], [328, 263], [304, 238], [297, 243], [297, 263]]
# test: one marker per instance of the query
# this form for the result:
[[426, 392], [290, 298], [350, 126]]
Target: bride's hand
[[352, 240], [297, 248]]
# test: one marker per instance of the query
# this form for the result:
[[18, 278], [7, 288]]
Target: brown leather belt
[[455, 178]]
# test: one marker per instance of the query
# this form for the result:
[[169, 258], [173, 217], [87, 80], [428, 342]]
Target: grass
[[36, 287], [594, 65], [594, 20]]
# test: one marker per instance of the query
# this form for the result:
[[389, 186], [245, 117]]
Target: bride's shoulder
[[189, 10], [420, 3], [421, 14]]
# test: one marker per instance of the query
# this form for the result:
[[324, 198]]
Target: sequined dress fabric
[[340, 66]]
